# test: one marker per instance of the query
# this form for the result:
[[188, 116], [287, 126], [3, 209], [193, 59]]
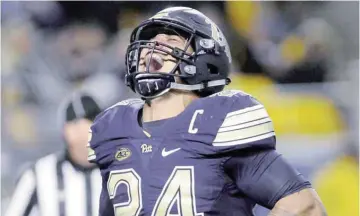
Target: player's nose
[[162, 39]]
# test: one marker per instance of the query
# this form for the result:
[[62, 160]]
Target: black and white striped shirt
[[56, 186]]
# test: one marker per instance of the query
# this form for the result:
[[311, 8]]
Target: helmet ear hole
[[212, 69]]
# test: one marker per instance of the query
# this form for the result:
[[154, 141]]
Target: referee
[[63, 184]]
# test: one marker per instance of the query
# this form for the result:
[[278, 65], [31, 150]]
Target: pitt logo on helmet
[[122, 154]]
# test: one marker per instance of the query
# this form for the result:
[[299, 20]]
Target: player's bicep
[[264, 176]]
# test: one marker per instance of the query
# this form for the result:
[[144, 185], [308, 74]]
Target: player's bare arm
[[303, 203]]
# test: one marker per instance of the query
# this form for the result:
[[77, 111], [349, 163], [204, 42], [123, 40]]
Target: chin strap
[[185, 87], [148, 101]]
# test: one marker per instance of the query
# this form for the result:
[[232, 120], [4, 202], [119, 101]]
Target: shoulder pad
[[112, 110], [99, 130], [245, 124], [127, 102], [227, 93]]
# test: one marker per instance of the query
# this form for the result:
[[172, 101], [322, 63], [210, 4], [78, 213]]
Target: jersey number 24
[[179, 187]]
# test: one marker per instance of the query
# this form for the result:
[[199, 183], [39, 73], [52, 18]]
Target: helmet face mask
[[204, 71]]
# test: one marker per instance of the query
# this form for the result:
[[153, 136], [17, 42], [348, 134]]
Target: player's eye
[[175, 39]]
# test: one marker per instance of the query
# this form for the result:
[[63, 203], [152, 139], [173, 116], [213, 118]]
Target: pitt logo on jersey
[[146, 148]]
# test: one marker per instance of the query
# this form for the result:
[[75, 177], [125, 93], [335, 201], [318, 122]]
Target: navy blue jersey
[[179, 168]]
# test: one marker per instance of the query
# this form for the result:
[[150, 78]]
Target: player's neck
[[167, 106]]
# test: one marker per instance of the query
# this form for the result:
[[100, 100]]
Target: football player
[[188, 147]]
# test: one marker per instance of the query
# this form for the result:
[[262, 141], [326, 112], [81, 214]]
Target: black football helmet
[[205, 71]]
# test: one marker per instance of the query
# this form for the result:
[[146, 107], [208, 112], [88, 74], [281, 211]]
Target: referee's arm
[[24, 197]]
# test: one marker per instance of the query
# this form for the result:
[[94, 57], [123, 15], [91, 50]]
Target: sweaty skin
[[303, 203]]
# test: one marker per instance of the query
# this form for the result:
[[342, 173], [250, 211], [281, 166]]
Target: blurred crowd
[[301, 59]]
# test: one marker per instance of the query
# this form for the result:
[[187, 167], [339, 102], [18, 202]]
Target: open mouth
[[154, 62]]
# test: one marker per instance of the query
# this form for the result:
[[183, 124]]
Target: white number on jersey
[[180, 188]]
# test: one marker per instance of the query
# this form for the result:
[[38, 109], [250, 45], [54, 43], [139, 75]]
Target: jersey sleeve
[[264, 176], [246, 124]]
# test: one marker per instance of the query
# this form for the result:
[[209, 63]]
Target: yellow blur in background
[[292, 113], [338, 186]]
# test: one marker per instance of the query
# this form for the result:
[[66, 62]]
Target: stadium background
[[301, 59]]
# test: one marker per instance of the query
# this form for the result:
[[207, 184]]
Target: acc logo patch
[[122, 154]]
